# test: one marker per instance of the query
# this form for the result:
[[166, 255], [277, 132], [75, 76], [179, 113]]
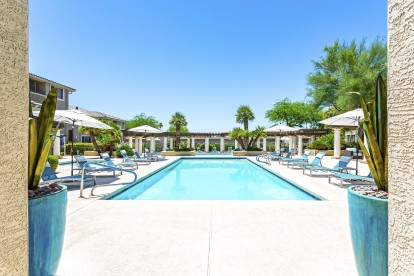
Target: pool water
[[213, 179]]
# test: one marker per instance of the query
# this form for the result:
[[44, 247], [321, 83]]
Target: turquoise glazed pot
[[47, 220], [368, 217]]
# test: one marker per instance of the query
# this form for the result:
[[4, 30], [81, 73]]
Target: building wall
[[61, 104], [401, 129], [14, 106]]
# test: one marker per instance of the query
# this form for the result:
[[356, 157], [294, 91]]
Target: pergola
[[135, 139]]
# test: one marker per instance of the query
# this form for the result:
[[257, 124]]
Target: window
[[37, 87], [86, 139], [60, 92]]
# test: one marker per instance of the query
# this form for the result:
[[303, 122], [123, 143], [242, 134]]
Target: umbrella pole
[[71, 149], [357, 146]]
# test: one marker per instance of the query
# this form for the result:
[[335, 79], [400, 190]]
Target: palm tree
[[244, 114], [111, 136], [178, 120], [93, 133], [259, 132]]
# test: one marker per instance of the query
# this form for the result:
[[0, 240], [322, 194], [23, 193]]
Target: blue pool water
[[213, 179]]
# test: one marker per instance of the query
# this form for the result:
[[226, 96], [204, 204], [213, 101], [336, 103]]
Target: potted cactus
[[47, 204], [368, 205]]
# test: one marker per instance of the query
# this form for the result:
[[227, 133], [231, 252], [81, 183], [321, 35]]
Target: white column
[[258, 143], [207, 144], [188, 142], [130, 141], [193, 142], [236, 144], [164, 147], [264, 144], [337, 142], [293, 142], [140, 145], [56, 144], [136, 144], [290, 142], [312, 139], [277, 142], [152, 144], [171, 143], [300, 144], [222, 144]]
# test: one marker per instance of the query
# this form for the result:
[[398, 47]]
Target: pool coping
[[139, 180]]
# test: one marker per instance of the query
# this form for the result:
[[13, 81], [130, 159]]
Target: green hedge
[[326, 142], [79, 148], [53, 161], [127, 148]]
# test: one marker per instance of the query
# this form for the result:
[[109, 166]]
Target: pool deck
[[197, 237]]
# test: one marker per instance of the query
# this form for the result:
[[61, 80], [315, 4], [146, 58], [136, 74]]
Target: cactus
[[40, 138], [375, 126]]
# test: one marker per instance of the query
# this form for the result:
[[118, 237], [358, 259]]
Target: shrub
[[79, 148], [270, 147], [254, 149], [127, 148], [53, 161], [326, 142]]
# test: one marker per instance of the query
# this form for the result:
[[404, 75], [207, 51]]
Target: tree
[[294, 113], [344, 68], [93, 133], [109, 137], [178, 120], [143, 119], [183, 129], [244, 114]]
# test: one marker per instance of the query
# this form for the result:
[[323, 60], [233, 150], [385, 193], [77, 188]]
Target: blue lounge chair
[[288, 155], [109, 162], [303, 158], [339, 167], [276, 155], [156, 156], [49, 176], [303, 163], [126, 158], [83, 163], [351, 179]]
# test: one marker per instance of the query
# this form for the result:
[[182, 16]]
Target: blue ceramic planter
[[47, 219], [368, 219]]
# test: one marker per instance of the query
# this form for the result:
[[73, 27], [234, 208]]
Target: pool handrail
[[85, 169]]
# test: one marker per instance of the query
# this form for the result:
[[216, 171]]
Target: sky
[[201, 58]]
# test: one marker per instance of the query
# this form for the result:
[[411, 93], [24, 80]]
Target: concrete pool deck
[[207, 237]]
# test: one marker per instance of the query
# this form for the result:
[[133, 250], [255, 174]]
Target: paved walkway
[[198, 237]]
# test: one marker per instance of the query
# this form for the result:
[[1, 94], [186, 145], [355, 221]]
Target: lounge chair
[[49, 176], [109, 162], [150, 157], [288, 155], [303, 163], [339, 167], [303, 158], [156, 156], [277, 154], [351, 179], [229, 149], [126, 158], [83, 162]]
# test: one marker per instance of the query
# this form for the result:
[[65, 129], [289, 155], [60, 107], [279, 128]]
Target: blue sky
[[202, 58]]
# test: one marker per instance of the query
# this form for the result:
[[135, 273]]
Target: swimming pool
[[212, 179]]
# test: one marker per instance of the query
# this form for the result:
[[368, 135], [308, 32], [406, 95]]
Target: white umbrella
[[347, 119], [280, 128], [78, 118], [145, 129]]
